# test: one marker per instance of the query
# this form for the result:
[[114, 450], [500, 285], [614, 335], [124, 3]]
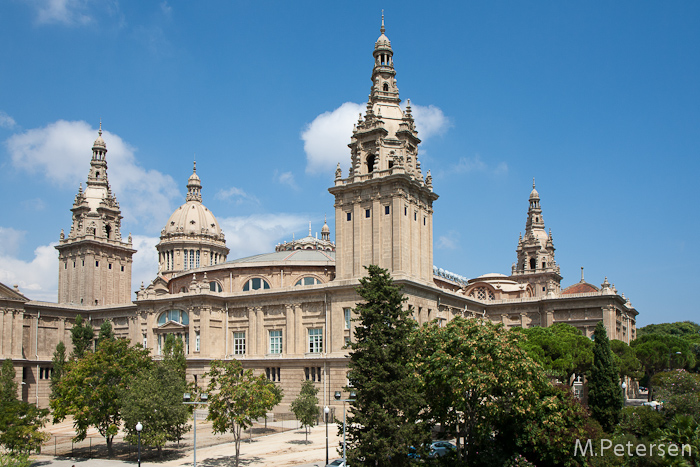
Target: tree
[[154, 398], [626, 360], [106, 332], [81, 335], [58, 363], [92, 387], [305, 407], [660, 352], [561, 349], [383, 421], [20, 422], [174, 355], [605, 398], [680, 391], [488, 393], [237, 398], [8, 385]]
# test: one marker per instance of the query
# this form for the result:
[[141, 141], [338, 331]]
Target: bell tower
[[384, 208], [535, 251], [94, 264]]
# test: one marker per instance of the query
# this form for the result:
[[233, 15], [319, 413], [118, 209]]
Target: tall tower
[[536, 264], [384, 208], [94, 264], [192, 237]]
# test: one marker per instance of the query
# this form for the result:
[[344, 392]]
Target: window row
[[387, 210], [191, 259], [97, 265], [275, 341]]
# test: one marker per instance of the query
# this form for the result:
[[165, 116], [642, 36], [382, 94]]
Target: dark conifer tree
[[605, 398], [383, 421], [81, 335]]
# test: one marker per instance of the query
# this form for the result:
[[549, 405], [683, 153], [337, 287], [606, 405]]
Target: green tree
[[305, 407], [237, 398], [680, 392], [561, 349], [154, 398], [58, 363], [92, 387], [20, 422], [383, 420], [174, 355], [8, 385], [680, 329], [82, 336], [626, 360], [106, 331], [660, 352], [605, 398], [488, 393]]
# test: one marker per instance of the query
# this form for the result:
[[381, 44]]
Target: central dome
[[192, 237]]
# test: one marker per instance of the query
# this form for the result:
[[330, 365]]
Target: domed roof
[[193, 218], [99, 142], [325, 228], [533, 193], [580, 287], [382, 40]]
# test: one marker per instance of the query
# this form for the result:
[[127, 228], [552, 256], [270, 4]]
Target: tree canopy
[[605, 397], [383, 420], [305, 407], [237, 397], [81, 335], [92, 387]]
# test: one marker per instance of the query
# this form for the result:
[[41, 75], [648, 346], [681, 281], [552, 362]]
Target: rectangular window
[[196, 341], [405, 211], [186, 255], [347, 312], [197, 258], [349, 214], [97, 264], [424, 221], [347, 340], [191, 259], [313, 373], [273, 373], [122, 268], [239, 343], [160, 344], [415, 216], [145, 341], [386, 209], [367, 211], [275, 342], [315, 340]]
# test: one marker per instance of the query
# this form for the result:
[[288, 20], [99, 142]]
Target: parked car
[[337, 463], [441, 448]]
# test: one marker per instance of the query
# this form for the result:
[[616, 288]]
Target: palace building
[[288, 314]]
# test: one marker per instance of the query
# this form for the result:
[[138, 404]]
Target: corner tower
[[384, 208], [536, 264], [192, 237], [94, 264]]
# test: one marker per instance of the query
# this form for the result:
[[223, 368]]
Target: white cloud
[[449, 241], [145, 266], [430, 121], [61, 152], [238, 195], [61, 12], [166, 9], [286, 178], [10, 240], [326, 138], [259, 233], [6, 121], [38, 278], [476, 164]]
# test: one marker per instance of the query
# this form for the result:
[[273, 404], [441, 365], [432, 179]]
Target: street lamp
[[202, 401], [139, 427], [325, 411], [670, 359], [352, 399], [624, 393]]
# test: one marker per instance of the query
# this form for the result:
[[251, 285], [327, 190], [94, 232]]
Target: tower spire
[[382, 30]]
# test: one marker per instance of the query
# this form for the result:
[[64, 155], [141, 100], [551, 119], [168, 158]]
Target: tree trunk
[[110, 450]]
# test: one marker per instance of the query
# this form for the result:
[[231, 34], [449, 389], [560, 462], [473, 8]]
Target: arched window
[[308, 281], [215, 286], [370, 163], [533, 263], [255, 283], [386, 87], [176, 316]]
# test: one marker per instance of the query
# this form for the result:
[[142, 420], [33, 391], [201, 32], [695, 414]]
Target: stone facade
[[288, 314]]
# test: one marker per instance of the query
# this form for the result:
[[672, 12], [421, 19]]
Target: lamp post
[[352, 399], [139, 427], [202, 401], [624, 393], [326, 410], [670, 358]]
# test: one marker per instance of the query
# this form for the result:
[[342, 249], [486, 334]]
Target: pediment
[[171, 326], [11, 294]]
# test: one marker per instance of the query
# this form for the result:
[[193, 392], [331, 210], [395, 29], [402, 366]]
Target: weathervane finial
[[382, 29]]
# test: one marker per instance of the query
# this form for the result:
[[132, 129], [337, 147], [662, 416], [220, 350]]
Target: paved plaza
[[287, 448]]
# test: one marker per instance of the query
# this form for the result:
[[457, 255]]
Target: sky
[[598, 101]]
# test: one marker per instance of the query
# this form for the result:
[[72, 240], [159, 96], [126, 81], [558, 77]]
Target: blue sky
[[599, 101]]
